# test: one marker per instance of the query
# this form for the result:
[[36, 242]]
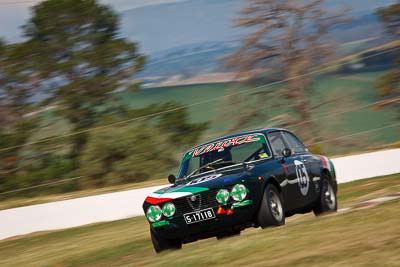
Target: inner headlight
[[239, 192], [168, 209], [222, 196], [154, 213]]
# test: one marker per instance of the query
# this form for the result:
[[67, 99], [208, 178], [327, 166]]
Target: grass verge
[[364, 237]]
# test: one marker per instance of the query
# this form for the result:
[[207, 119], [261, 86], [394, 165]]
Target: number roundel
[[302, 177]]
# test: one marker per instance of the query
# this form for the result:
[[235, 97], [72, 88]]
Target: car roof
[[263, 130]]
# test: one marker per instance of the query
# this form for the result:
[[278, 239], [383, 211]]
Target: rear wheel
[[327, 201], [160, 243], [272, 212]]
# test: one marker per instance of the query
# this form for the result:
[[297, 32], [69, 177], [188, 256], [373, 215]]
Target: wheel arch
[[263, 210], [325, 171], [272, 180]]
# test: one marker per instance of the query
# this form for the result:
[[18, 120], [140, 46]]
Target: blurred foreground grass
[[363, 237]]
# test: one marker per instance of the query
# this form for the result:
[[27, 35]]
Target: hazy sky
[[118, 4], [13, 13]]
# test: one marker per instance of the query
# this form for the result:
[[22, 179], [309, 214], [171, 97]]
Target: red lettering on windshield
[[234, 141], [217, 146], [224, 144], [208, 148], [251, 138], [198, 151]]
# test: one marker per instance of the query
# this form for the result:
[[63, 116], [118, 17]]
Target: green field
[[351, 92], [349, 114], [362, 237]]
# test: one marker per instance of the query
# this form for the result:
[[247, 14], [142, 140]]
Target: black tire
[[327, 201], [160, 244], [272, 212]]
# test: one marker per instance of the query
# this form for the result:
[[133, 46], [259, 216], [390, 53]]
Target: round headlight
[[239, 192], [168, 209], [154, 213], [222, 196]]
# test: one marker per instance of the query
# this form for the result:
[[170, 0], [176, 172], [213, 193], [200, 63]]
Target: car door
[[289, 181], [303, 162]]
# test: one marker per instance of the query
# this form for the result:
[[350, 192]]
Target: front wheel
[[272, 212], [327, 201], [160, 243]]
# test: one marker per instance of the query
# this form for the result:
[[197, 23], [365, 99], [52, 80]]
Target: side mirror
[[171, 179], [286, 152]]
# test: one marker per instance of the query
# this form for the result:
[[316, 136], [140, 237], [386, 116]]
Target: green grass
[[364, 237], [186, 95], [351, 91], [362, 190]]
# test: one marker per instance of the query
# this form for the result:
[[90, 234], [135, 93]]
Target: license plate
[[198, 216]]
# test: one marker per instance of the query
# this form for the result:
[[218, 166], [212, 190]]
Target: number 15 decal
[[302, 177]]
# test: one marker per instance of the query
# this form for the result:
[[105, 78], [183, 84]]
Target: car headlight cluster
[[223, 196], [238, 193], [154, 213], [169, 209]]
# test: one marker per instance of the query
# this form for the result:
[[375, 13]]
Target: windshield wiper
[[209, 165]]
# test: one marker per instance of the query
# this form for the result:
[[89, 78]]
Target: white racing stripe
[[295, 181], [316, 179], [172, 195], [287, 181]]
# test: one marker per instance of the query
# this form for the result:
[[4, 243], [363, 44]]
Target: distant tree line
[[388, 86], [74, 58], [289, 41]]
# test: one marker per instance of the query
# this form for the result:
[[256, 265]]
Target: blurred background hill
[[99, 96], [201, 31], [68, 109]]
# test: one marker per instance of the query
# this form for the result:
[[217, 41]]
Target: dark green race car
[[249, 179]]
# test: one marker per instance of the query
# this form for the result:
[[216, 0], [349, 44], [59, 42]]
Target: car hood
[[195, 186]]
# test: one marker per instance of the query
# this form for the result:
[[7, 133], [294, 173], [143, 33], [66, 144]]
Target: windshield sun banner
[[225, 143]]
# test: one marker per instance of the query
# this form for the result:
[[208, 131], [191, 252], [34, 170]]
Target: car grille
[[203, 200]]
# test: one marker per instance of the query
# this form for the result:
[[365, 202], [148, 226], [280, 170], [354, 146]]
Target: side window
[[249, 152], [277, 142], [294, 144], [193, 164]]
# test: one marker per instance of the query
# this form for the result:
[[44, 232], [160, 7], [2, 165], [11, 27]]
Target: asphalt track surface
[[125, 204]]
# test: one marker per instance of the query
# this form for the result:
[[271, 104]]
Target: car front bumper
[[240, 217]]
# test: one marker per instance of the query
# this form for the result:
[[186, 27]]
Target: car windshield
[[223, 153]]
